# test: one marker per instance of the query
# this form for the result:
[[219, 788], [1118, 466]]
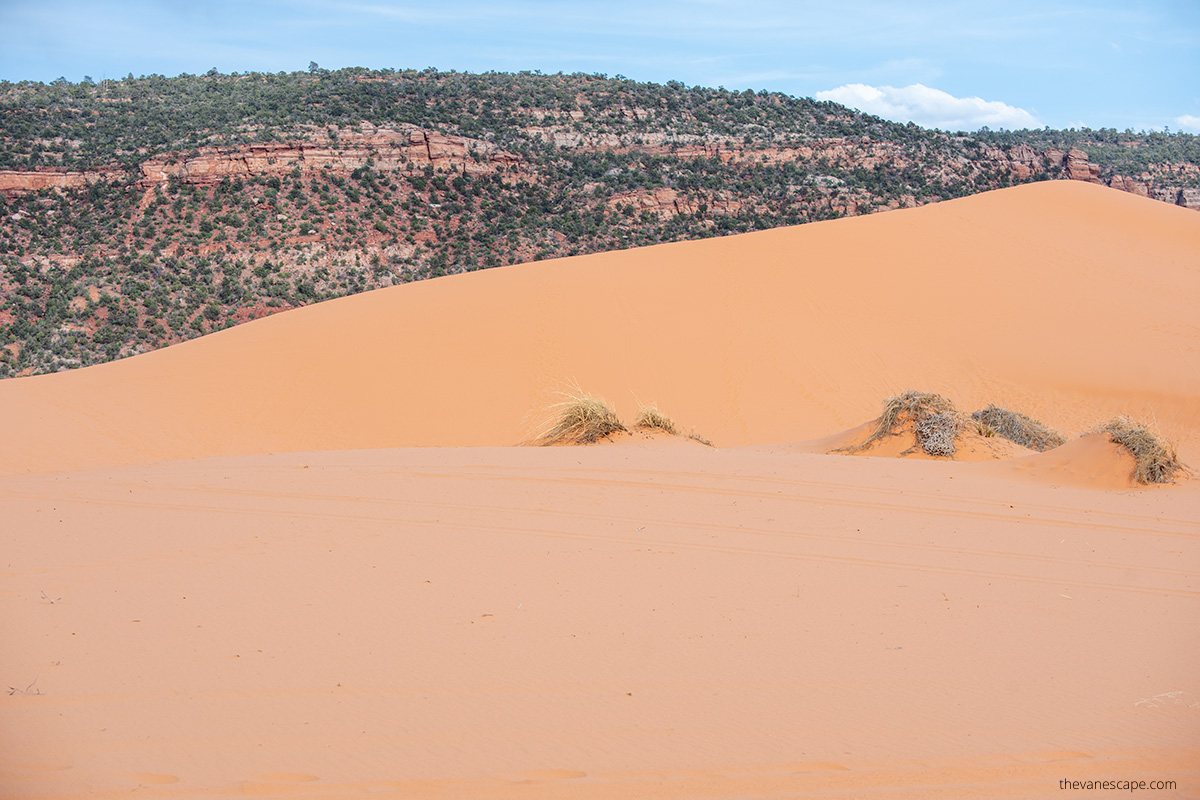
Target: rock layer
[[405, 147], [412, 148]]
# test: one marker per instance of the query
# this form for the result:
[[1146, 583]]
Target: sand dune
[[228, 571], [1069, 301], [600, 622], [1093, 461]]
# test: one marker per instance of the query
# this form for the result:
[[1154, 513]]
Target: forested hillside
[[142, 212]]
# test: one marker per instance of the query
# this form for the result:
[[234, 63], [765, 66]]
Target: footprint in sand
[[1167, 699]]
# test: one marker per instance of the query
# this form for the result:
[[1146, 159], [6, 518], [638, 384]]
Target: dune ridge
[[1037, 296]]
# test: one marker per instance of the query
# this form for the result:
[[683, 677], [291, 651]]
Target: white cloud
[[1188, 123], [930, 108]]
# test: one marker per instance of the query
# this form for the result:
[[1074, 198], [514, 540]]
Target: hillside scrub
[[139, 253]]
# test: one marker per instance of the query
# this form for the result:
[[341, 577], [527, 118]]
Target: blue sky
[[952, 64]]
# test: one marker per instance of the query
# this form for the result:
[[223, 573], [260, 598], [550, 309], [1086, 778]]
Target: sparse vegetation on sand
[[936, 422], [581, 418], [1018, 428], [1157, 461], [651, 419]]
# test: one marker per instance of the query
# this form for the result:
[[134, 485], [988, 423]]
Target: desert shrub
[[1157, 461], [935, 421], [936, 433], [1018, 428], [650, 418], [580, 418]]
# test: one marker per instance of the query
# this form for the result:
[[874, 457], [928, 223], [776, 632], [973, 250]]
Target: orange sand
[[190, 616]]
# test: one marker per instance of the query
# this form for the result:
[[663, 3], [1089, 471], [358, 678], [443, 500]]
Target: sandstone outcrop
[[1130, 185], [1078, 167], [411, 148], [405, 147], [664, 202], [1024, 161], [21, 181], [1186, 197]]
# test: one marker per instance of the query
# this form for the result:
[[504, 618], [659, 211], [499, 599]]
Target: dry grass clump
[[1018, 428], [1157, 461], [581, 419], [936, 422], [651, 419]]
